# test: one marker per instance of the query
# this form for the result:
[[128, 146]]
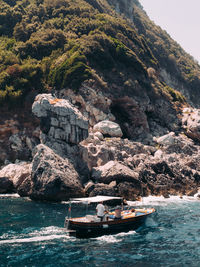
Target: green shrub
[[8, 58], [17, 80], [176, 96], [42, 43], [45, 43], [71, 73], [4, 79], [8, 18]]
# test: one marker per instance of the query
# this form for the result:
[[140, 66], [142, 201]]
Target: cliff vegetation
[[59, 44]]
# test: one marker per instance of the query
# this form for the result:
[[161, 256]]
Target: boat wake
[[31, 239], [114, 238], [44, 234]]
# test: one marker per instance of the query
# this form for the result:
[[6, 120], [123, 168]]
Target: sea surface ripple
[[32, 234]]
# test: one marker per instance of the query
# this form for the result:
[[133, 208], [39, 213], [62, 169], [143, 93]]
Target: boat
[[91, 226]]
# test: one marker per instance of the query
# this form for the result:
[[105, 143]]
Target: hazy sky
[[180, 18]]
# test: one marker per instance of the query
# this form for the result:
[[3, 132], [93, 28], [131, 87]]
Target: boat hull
[[94, 229]]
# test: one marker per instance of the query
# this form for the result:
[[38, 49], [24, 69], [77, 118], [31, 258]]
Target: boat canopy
[[95, 199]]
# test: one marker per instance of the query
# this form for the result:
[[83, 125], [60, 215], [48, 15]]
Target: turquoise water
[[32, 234]]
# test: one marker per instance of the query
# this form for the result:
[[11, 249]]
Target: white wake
[[44, 234]]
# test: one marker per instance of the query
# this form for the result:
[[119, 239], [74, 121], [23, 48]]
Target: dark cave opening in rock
[[122, 117]]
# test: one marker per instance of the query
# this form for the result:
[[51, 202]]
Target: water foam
[[114, 238], [33, 239], [49, 230], [9, 195], [44, 234], [162, 201]]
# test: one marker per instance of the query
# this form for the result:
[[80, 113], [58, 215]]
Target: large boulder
[[108, 128], [103, 189], [114, 171], [60, 120], [53, 178], [16, 174]]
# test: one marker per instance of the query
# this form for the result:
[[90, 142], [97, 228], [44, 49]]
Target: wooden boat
[[91, 226]]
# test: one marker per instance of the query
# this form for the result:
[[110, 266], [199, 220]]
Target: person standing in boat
[[100, 210]]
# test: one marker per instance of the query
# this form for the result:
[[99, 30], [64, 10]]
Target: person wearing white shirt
[[100, 210]]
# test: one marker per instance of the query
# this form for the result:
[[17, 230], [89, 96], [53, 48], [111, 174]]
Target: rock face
[[108, 128], [53, 178], [92, 103], [130, 169], [98, 153], [103, 162], [191, 123], [140, 118], [174, 83], [125, 6], [60, 121], [17, 137]]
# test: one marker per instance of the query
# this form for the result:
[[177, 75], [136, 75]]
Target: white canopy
[[94, 199]]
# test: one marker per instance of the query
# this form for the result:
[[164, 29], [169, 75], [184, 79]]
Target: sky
[[181, 20]]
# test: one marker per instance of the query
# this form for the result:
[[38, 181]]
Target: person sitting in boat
[[124, 203], [100, 210], [118, 214]]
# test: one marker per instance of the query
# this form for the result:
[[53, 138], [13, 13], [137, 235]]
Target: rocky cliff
[[103, 163]]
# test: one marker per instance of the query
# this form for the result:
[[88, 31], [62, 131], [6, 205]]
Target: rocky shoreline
[[76, 157]]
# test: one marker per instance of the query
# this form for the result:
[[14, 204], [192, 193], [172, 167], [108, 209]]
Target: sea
[[32, 234]]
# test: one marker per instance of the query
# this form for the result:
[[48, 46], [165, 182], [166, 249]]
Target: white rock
[[158, 154], [168, 139], [108, 128]]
